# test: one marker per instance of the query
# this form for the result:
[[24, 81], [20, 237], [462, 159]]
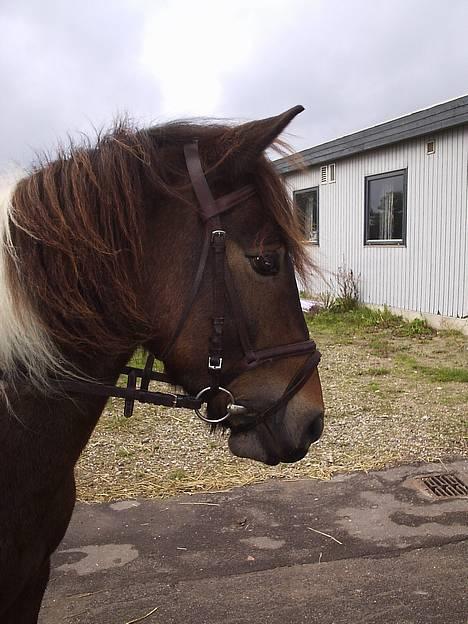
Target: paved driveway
[[373, 548]]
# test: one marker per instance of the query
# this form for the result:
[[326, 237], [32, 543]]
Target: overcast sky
[[67, 66]]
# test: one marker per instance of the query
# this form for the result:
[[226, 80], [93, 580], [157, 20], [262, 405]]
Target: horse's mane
[[71, 233]]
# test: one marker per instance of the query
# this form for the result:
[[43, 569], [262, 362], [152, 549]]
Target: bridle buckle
[[218, 234], [215, 362]]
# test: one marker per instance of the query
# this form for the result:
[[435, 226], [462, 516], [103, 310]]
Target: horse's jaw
[[272, 445]]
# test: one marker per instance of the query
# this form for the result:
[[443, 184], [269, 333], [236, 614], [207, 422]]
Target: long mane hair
[[71, 240]]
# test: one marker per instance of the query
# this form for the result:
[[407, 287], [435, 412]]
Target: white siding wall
[[429, 274]]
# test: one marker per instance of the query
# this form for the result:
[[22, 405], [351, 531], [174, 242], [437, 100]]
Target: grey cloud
[[65, 66], [354, 64]]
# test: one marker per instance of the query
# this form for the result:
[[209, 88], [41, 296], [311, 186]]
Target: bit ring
[[214, 420]]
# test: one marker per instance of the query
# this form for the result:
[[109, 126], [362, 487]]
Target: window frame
[[310, 241], [395, 242]]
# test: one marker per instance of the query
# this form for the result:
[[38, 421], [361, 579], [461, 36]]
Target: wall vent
[[323, 174]]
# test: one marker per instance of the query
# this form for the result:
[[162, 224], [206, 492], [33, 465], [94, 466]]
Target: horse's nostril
[[316, 429]]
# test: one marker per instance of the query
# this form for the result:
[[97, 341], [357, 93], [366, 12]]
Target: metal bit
[[234, 410]]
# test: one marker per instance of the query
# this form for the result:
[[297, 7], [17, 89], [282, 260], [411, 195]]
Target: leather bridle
[[224, 290]]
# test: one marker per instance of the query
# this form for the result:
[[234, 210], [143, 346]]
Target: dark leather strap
[[209, 206], [295, 385], [146, 376], [226, 202], [135, 394], [270, 354], [130, 395], [206, 201], [215, 351]]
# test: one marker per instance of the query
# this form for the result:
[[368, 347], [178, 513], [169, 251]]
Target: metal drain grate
[[445, 486]]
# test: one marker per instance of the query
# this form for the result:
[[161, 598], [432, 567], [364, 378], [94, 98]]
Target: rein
[[214, 244]]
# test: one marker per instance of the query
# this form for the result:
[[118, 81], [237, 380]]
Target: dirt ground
[[392, 395]]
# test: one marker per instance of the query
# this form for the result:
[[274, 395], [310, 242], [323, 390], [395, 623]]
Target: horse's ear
[[253, 138]]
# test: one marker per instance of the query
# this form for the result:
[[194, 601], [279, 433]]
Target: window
[[430, 147], [331, 173], [307, 205], [385, 219]]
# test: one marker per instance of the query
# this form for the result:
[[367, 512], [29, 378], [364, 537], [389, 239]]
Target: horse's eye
[[266, 264]]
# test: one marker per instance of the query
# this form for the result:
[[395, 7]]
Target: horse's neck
[[50, 431]]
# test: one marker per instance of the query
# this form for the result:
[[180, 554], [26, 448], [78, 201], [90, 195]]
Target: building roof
[[423, 122]]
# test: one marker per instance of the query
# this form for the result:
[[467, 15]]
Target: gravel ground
[[382, 407]]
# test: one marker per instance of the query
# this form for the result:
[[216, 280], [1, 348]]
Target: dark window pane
[[385, 208], [307, 204]]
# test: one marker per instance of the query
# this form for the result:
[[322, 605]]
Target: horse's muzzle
[[271, 442]]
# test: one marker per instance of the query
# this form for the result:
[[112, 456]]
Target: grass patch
[[138, 360], [379, 347], [178, 474], [444, 374], [436, 374], [373, 386], [361, 320]]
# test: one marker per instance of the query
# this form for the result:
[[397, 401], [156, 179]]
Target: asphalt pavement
[[376, 548]]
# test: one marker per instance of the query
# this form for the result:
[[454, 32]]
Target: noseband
[[224, 290]]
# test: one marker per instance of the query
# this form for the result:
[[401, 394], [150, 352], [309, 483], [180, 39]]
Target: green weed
[[416, 327]]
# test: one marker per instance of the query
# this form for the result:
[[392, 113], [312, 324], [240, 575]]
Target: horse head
[[260, 303]]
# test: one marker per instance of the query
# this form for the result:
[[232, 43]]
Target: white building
[[391, 204]]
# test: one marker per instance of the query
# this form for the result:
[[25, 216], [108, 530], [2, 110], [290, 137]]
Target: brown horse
[[100, 250]]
